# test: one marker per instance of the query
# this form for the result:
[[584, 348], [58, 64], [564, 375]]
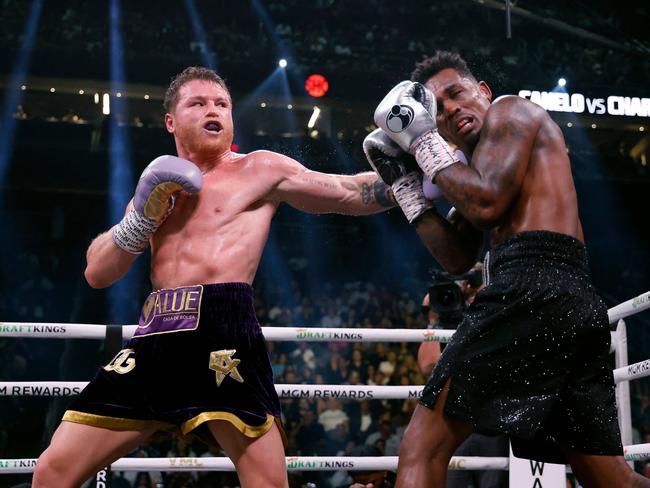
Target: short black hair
[[432, 65]]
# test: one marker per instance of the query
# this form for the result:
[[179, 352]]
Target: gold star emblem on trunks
[[224, 365]]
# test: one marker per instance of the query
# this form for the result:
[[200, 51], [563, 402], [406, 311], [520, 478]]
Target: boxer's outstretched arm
[[315, 192], [453, 242], [105, 261]]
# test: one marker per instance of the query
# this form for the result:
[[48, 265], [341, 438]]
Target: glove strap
[[410, 196], [433, 154], [133, 232]]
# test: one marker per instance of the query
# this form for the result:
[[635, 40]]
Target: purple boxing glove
[[154, 199]]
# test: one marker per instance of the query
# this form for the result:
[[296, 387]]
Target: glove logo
[[399, 118]]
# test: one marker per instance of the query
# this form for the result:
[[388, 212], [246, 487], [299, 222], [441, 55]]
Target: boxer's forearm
[[456, 250], [370, 194], [105, 262]]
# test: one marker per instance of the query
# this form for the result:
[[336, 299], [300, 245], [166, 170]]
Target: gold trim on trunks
[[115, 423], [239, 424]]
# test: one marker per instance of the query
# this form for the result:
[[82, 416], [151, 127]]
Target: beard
[[197, 141]]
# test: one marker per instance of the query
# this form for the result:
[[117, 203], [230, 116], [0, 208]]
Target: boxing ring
[[623, 373]]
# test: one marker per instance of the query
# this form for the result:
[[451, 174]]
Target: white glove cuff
[[433, 154], [133, 232], [410, 196]]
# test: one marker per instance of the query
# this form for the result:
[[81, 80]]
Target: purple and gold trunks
[[197, 355]]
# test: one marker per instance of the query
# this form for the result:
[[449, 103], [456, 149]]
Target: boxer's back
[[219, 234]]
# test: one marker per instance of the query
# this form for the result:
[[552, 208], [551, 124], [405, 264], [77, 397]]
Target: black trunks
[[198, 355], [531, 356]]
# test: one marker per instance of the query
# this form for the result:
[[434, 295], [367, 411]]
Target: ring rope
[[352, 392], [629, 307], [294, 463], [636, 452], [314, 334], [98, 331]]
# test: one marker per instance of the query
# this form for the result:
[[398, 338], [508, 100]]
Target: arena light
[[263, 104], [282, 63], [23, 87], [106, 104], [561, 82], [316, 85], [81, 92], [313, 118]]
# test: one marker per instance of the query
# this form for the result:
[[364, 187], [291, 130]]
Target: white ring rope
[[630, 307], [294, 463], [637, 452], [314, 334], [352, 392], [98, 331], [632, 371], [357, 392]]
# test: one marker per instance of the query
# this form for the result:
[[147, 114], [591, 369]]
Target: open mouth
[[213, 126], [463, 124]]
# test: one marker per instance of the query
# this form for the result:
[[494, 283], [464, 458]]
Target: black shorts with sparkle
[[197, 355], [531, 356]]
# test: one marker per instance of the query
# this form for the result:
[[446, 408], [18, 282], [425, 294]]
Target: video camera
[[446, 295]]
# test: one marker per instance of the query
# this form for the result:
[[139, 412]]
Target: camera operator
[[443, 305]]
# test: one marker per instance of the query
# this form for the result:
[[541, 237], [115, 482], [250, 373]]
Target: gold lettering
[[180, 307], [222, 363], [191, 296], [157, 306], [165, 309], [148, 305], [122, 362]]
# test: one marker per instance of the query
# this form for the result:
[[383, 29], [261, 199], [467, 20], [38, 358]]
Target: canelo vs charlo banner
[[578, 103]]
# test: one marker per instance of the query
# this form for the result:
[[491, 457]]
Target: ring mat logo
[[399, 118]]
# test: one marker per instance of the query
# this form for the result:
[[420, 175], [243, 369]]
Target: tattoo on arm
[[366, 196], [379, 192], [315, 181], [383, 194]]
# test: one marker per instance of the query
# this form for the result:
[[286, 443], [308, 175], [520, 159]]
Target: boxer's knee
[[52, 470]]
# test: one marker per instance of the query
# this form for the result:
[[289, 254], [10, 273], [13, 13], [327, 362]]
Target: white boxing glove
[[408, 115]]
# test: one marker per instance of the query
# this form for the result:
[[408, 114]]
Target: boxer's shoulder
[[511, 115], [514, 106], [274, 165]]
